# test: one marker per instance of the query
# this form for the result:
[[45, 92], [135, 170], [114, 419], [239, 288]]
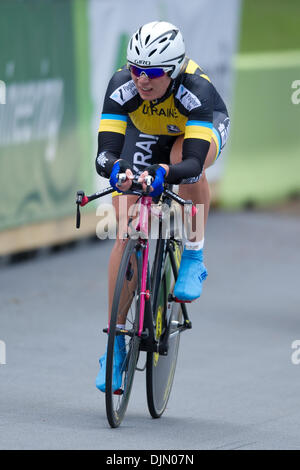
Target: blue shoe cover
[[192, 273], [119, 360]]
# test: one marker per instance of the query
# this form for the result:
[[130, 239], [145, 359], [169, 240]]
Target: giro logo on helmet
[[142, 62]]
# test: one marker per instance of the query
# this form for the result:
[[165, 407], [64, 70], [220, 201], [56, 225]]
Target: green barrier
[[263, 163], [45, 124]]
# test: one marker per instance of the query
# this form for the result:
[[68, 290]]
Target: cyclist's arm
[[198, 135], [108, 152], [193, 158], [113, 121]]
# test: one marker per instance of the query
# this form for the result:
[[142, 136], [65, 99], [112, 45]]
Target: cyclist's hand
[[158, 172], [121, 166]]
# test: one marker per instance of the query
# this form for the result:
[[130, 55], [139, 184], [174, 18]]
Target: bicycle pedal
[[118, 392]]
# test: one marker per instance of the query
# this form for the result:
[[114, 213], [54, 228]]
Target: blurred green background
[[270, 25], [263, 164], [53, 84], [45, 126]]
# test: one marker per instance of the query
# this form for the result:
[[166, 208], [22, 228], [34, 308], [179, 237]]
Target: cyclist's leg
[[197, 189], [192, 271], [122, 205]]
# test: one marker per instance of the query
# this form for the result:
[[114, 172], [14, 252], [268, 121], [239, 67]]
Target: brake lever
[[79, 198]]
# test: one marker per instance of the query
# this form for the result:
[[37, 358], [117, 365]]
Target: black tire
[[161, 369], [128, 286]]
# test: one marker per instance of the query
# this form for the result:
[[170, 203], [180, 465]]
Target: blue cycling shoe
[[192, 273], [119, 361]]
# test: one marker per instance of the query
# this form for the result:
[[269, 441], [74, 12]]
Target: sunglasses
[[150, 73]]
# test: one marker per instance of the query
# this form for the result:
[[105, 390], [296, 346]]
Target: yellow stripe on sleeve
[[113, 125], [198, 132]]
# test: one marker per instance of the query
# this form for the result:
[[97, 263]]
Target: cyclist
[[161, 116]]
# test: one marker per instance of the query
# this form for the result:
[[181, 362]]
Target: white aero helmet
[[157, 44]]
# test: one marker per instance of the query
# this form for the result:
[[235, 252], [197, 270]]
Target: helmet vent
[[147, 39], [137, 51], [152, 52], [174, 34], [165, 47], [163, 40]]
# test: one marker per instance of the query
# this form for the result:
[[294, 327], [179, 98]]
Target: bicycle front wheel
[[161, 368], [126, 300]]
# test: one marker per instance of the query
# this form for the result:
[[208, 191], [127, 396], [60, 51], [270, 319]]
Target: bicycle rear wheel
[[126, 298], [161, 368]]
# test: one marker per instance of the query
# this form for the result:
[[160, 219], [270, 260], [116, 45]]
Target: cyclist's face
[[151, 89]]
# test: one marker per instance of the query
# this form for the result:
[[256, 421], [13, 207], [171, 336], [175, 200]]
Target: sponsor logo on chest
[[173, 129], [155, 111]]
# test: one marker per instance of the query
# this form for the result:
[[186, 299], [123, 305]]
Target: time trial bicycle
[[144, 291]]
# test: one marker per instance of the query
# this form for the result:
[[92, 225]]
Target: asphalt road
[[235, 385]]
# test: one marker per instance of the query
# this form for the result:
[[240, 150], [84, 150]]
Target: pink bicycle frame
[[142, 226]]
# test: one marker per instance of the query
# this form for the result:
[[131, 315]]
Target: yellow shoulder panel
[[191, 67]]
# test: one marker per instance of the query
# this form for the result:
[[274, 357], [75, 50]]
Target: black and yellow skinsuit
[[143, 132]]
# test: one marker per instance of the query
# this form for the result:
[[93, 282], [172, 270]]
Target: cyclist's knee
[[123, 204], [203, 178], [211, 155]]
